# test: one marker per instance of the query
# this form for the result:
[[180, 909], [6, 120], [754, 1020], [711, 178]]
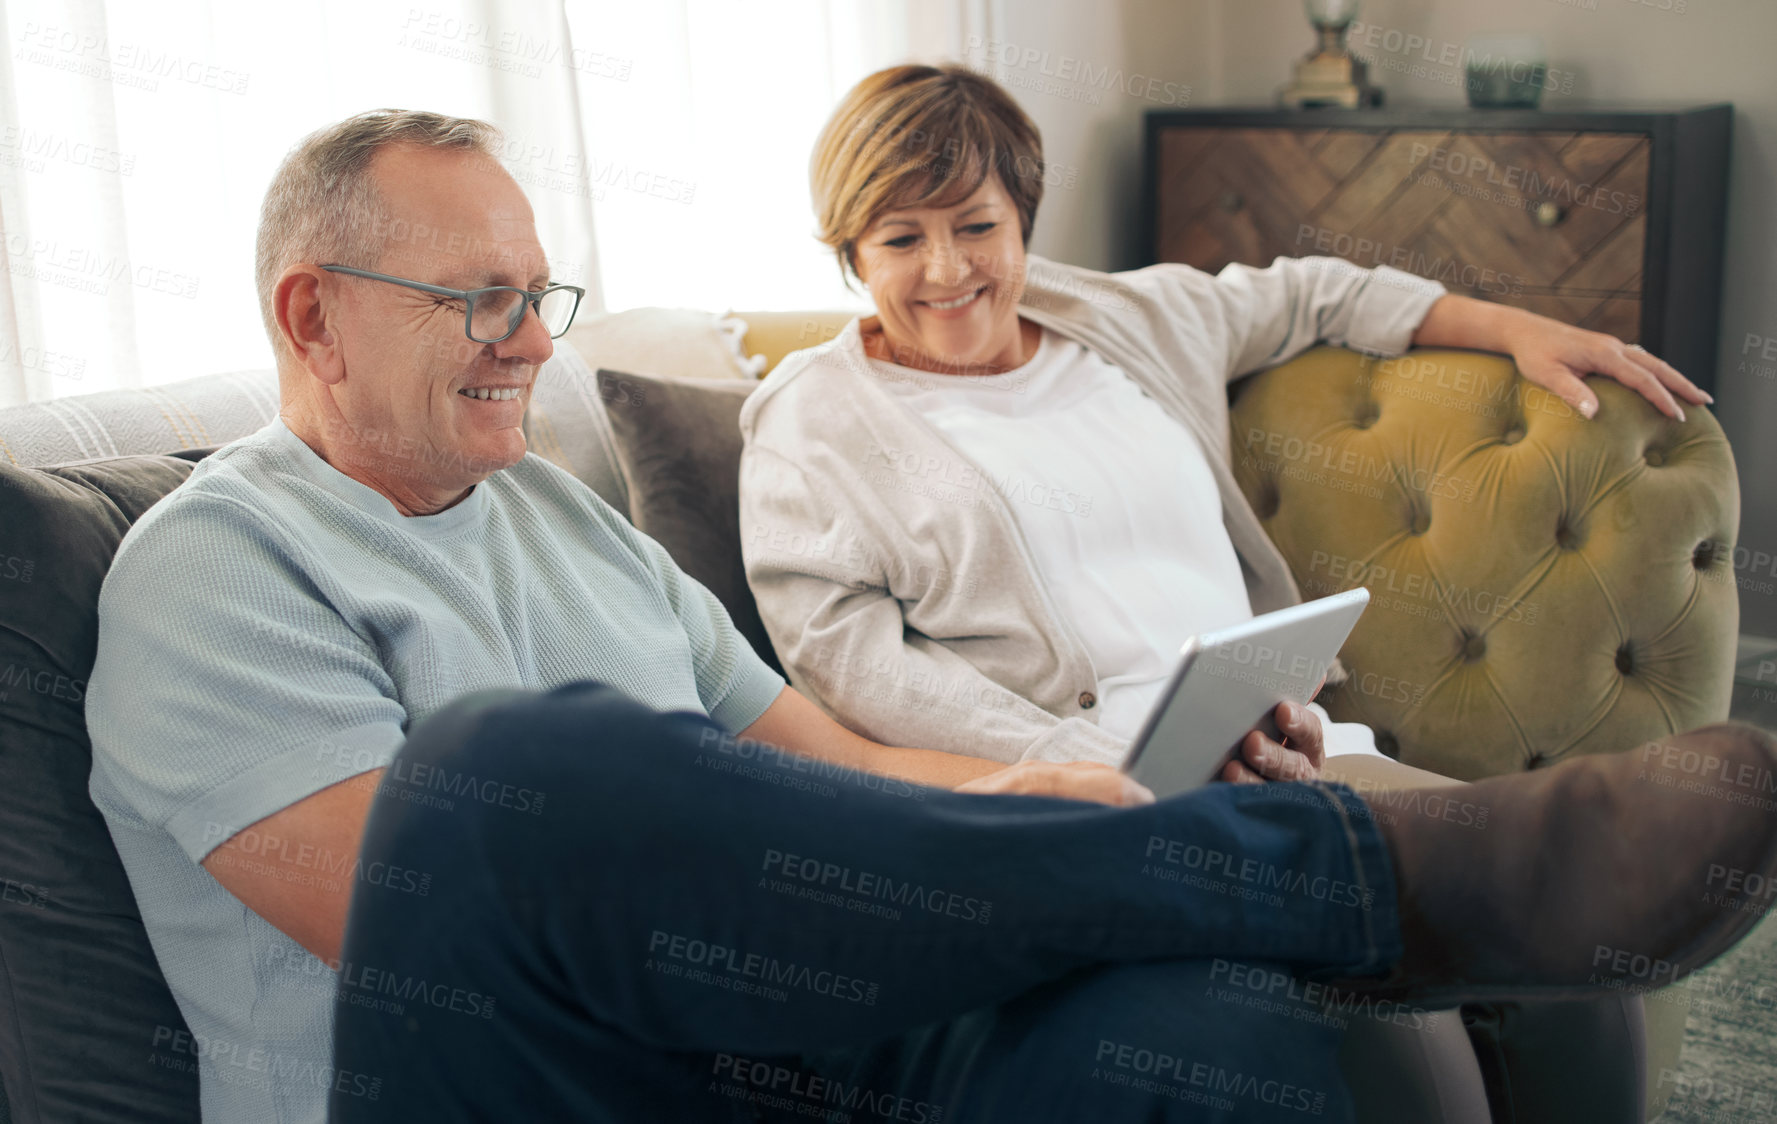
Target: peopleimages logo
[[378, 988], [511, 49], [140, 65], [1263, 657], [1450, 272], [305, 864], [773, 1085], [1420, 56], [43, 682], [775, 758], [1079, 72], [1434, 803], [723, 965], [1413, 591], [1535, 186], [55, 364], [1293, 995], [831, 876], [90, 270], [1622, 964], [36, 146], [23, 893], [251, 1064], [1305, 458], [422, 777], [1258, 874], [1711, 768], [1735, 888], [1209, 1080], [949, 471]]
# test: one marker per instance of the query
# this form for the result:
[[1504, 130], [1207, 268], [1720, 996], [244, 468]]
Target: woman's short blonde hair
[[920, 136]]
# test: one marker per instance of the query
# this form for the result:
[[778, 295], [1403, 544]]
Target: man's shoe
[[1624, 871]]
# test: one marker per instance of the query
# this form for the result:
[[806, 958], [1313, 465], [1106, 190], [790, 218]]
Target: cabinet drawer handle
[[1549, 214], [1231, 201]]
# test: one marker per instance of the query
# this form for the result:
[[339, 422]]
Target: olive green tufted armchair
[[1542, 585]]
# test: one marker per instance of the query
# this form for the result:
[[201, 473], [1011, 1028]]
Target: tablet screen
[[1228, 682]]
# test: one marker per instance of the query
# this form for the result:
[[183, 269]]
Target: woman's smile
[[956, 306]]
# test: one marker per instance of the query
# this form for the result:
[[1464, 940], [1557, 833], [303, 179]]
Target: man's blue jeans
[[572, 907]]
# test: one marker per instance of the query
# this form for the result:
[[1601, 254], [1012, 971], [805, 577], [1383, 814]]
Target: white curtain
[[663, 143], [137, 139], [700, 154]]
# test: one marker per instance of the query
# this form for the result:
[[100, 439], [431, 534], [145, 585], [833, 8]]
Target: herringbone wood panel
[[1461, 208]]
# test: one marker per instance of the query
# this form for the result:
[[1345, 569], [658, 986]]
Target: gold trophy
[[1330, 76]]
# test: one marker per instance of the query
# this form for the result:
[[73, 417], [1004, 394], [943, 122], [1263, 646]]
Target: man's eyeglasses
[[491, 315]]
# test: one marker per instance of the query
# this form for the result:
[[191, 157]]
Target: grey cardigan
[[893, 578]]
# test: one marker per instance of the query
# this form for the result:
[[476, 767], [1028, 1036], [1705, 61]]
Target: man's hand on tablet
[[1298, 758]]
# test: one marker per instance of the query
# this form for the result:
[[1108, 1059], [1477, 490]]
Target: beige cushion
[[197, 413], [680, 342], [772, 335]]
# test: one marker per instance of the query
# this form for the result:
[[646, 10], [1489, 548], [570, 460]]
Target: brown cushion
[[88, 1017], [678, 446]]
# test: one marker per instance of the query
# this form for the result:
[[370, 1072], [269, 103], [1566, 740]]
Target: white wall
[[1086, 72], [1617, 52]]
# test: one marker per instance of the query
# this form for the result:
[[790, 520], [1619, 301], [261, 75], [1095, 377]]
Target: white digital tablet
[[1228, 682]]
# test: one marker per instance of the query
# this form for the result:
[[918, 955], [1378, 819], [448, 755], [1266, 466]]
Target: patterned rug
[[1728, 1071]]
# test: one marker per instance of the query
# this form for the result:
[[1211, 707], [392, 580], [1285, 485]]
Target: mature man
[[562, 899], [273, 629]]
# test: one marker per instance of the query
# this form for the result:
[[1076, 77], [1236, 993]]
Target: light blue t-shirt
[[274, 627]]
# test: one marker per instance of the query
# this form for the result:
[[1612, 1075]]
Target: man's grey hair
[[322, 204]]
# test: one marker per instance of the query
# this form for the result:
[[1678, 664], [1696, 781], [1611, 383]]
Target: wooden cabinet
[[1609, 220]]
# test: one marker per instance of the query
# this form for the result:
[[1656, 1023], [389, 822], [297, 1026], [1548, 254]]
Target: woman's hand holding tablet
[[1215, 719], [1262, 757]]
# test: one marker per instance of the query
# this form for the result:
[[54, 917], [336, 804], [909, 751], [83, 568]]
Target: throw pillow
[[678, 446], [91, 1032]]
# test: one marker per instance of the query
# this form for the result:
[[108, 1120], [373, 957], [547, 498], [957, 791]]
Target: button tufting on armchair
[[1543, 585]]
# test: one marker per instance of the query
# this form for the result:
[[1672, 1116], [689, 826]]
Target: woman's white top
[[1118, 505]]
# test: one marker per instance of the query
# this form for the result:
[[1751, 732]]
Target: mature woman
[[1016, 474], [983, 519]]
